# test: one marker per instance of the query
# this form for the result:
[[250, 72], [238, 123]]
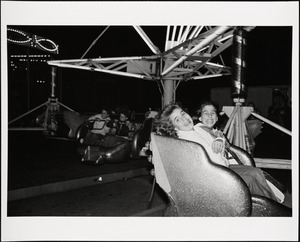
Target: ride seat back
[[195, 185], [82, 131], [74, 121], [140, 138]]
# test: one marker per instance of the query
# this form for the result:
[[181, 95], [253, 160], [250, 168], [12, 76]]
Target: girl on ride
[[175, 122]]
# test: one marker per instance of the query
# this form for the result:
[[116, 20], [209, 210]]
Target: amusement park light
[[27, 40], [31, 40], [38, 42]]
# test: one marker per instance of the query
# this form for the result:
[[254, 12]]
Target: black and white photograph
[[149, 121]]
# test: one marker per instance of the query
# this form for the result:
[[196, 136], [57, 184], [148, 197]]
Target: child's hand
[[218, 133], [112, 130], [218, 146]]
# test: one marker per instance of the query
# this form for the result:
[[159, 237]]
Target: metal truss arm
[[94, 42], [137, 67], [219, 31], [141, 32]]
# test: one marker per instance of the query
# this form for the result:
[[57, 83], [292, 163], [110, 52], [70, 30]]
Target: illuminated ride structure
[[52, 105], [191, 53]]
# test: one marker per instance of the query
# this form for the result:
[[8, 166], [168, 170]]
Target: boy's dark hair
[[205, 103]]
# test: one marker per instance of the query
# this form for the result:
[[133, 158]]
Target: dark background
[[268, 64]]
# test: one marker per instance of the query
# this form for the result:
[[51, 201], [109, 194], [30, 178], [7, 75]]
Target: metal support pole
[[28, 80], [237, 129], [231, 118], [94, 42], [230, 133], [282, 129], [168, 92], [53, 76], [144, 36], [23, 115]]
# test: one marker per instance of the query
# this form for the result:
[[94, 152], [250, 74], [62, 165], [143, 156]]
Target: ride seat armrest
[[241, 155], [265, 207]]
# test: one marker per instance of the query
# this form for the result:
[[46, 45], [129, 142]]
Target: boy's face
[[123, 118], [209, 116]]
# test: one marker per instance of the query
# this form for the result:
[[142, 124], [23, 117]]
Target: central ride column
[[236, 127]]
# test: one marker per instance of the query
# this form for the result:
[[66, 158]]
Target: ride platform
[[45, 175]]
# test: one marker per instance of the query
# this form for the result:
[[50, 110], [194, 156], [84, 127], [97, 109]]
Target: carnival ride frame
[[191, 53]]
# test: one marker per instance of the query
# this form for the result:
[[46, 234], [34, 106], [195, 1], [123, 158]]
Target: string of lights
[[31, 40]]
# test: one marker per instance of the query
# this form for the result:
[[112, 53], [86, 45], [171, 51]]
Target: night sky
[[268, 59]]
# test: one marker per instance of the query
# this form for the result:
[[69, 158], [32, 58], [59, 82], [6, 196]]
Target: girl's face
[[209, 116], [181, 120]]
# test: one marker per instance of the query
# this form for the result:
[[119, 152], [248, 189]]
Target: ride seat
[[97, 149], [116, 149], [196, 186], [141, 137]]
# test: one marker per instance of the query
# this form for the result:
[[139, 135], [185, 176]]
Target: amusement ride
[[191, 53]]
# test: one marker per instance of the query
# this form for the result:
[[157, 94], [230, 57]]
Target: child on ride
[[123, 126], [208, 117], [174, 121], [101, 121]]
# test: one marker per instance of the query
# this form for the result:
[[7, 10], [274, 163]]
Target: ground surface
[[35, 161], [121, 198]]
